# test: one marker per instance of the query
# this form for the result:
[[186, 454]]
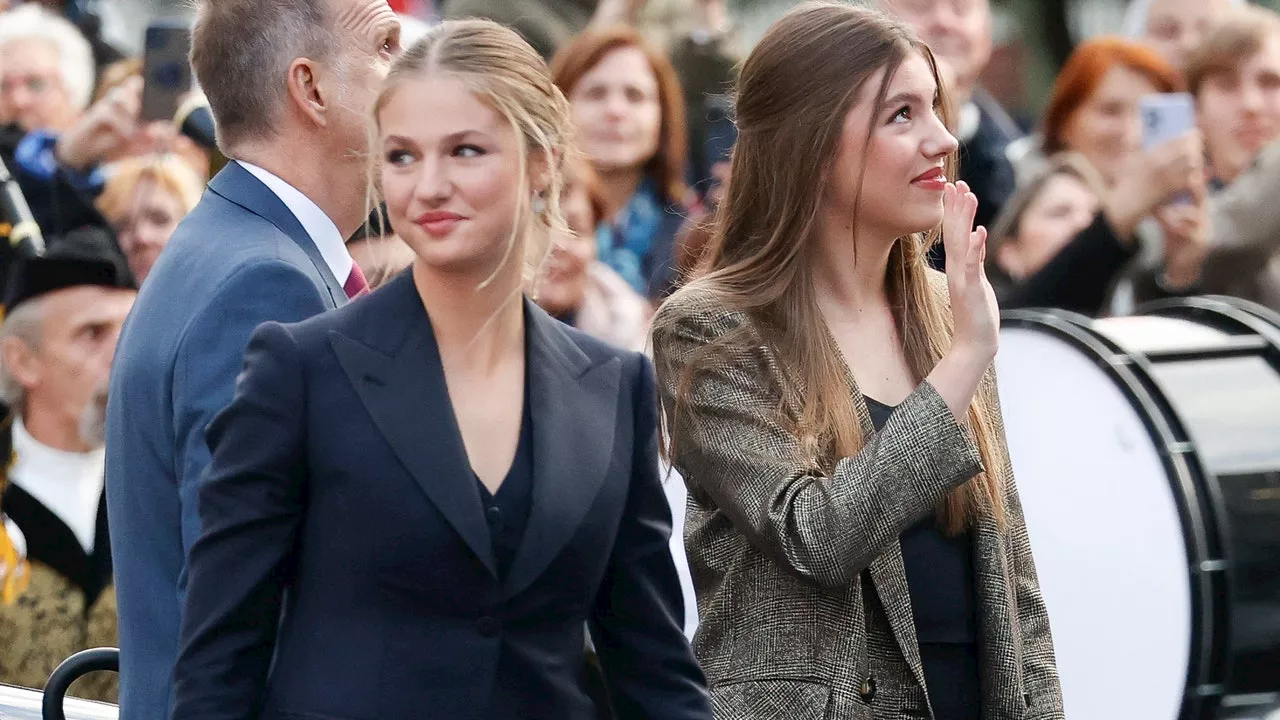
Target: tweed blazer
[[802, 594]]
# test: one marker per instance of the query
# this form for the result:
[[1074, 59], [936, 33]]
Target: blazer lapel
[[888, 573], [236, 184], [406, 395], [574, 409]]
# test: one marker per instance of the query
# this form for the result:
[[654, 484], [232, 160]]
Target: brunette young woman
[[450, 483], [854, 530]]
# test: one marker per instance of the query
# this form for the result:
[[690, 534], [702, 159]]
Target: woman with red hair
[[628, 111], [1093, 111]]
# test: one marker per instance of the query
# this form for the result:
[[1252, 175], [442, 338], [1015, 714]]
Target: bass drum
[[1147, 456]]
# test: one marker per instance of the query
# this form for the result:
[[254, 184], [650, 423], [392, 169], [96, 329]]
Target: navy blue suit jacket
[[239, 258], [339, 475]]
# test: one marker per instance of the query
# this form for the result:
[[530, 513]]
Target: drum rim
[[1205, 668], [1221, 310]]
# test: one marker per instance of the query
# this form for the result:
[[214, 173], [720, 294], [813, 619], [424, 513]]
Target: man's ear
[[21, 362], [306, 94]]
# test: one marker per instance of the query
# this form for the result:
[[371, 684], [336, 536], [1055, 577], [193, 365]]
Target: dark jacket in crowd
[[59, 202], [1079, 278]]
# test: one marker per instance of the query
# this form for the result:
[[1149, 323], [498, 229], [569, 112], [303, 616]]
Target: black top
[[940, 578], [507, 512]]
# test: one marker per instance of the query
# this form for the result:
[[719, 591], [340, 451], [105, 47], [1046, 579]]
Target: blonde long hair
[[504, 71], [794, 92]]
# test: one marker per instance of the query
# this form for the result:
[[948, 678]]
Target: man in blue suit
[[290, 83]]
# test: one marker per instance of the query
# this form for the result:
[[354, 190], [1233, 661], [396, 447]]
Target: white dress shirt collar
[[319, 226]]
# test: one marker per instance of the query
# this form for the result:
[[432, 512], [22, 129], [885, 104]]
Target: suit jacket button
[[487, 626], [868, 689]]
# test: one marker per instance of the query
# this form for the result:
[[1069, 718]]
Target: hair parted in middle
[[504, 71], [794, 92]]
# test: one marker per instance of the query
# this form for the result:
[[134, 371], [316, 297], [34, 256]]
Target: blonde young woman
[[449, 483], [854, 529]]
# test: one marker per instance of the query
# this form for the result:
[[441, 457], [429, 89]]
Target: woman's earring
[[539, 204]]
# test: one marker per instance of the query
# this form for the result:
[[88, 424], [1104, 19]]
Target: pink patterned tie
[[356, 285]]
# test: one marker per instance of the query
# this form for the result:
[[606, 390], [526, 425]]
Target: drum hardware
[[1144, 467]]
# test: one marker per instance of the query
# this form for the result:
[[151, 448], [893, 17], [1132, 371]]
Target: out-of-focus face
[[450, 175], [564, 280], [901, 189], [32, 93], [617, 111], [1175, 27], [150, 217], [1107, 127], [1239, 111], [959, 34], [80, 326], [1063, 207]]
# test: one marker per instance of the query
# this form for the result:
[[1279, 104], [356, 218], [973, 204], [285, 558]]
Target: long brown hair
[[586, 50], [794, 92]]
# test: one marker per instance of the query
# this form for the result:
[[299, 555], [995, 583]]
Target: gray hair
[[25, 323], [75, 56], [241, 51], [1135, 18]]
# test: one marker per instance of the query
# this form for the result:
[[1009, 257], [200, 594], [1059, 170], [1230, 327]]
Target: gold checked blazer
[[803, 601]]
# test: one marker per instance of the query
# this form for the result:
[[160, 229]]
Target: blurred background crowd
[[1084, 215]]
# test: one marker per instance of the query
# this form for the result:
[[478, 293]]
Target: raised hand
[[1186, 231], [973, 301]]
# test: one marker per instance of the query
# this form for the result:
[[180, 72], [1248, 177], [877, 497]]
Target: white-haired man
[[46, 70]]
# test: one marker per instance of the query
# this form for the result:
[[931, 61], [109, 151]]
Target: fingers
[[959, 206]]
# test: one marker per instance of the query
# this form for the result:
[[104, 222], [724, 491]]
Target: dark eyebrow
[[905, 98]]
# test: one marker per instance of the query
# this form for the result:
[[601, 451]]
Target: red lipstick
[[931, 179]]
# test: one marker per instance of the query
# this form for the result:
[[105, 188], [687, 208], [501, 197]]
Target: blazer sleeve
[[251, 503], [637, 621], [210, 356], [729, 444], [1039, 666]]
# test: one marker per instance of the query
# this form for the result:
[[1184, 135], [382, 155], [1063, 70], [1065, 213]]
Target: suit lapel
[[238, 185], [405, 394], [574, 410]]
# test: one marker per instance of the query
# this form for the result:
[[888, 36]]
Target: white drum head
[[1105, 531]]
